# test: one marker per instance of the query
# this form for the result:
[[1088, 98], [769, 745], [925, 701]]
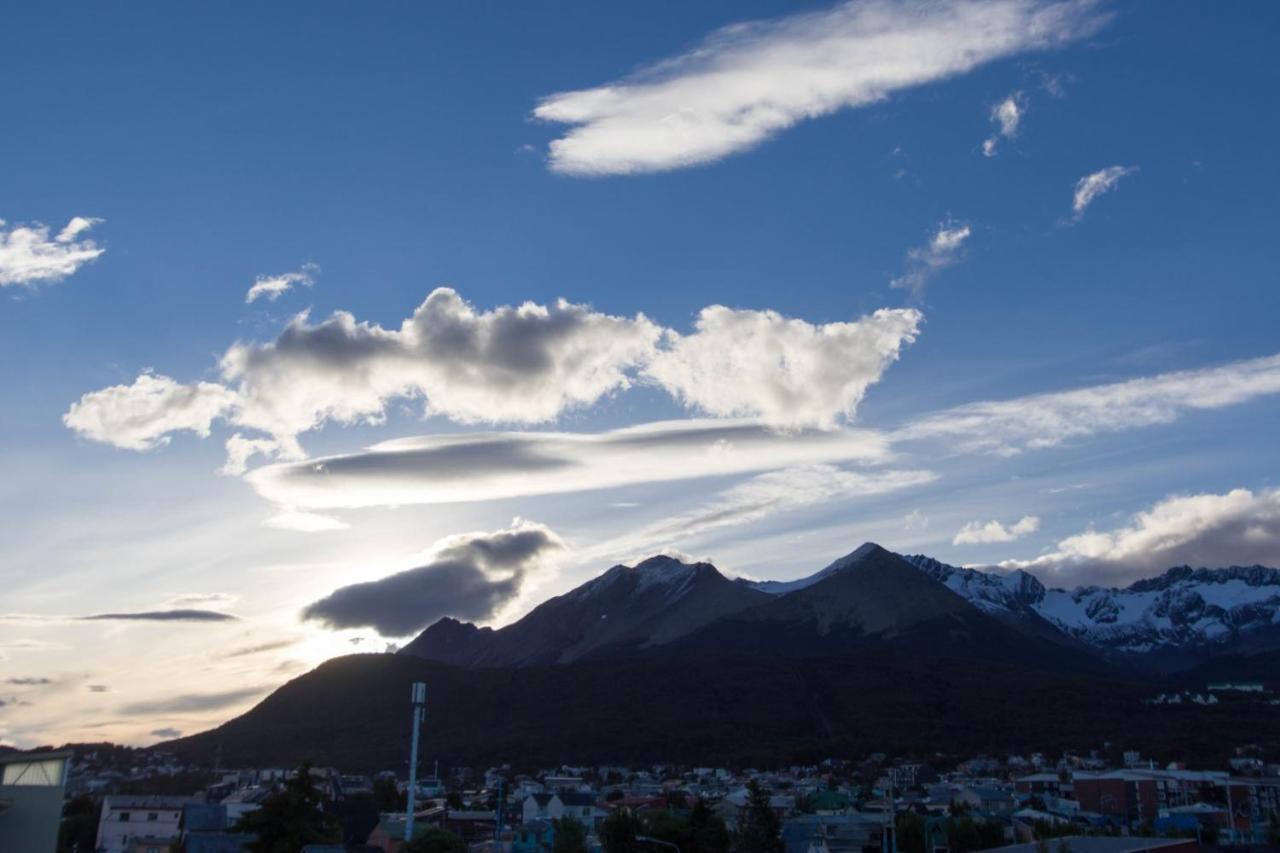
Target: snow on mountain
[[1181, 608], [784, 587]]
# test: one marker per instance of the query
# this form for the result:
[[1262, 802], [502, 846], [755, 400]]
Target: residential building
[[150, 824]]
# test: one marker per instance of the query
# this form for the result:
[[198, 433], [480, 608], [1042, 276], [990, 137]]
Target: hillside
[[353, 712]]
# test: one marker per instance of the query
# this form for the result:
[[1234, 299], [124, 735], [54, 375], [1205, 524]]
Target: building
[[849, 833], [31, 792], [574, 804], [131, 824]]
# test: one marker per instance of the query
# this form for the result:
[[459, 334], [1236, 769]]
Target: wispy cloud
[[272, 287], [750, 81], [470, 576], [924, 262], [1007, 116], [305, 522], [29, 256], [758, 498], [1240, 527], [1095, 184], [979, 532], [260, 648], [190, 702], [1046, 420]]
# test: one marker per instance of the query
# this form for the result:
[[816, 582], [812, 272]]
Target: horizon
[[322, 324]]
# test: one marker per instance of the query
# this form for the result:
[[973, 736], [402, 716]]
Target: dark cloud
[[166, 733], [471, 577], [164, 616], [98, 688], [28, 681], [190, 702]]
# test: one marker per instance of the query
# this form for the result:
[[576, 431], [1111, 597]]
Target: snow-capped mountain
[[1184, 608], [1170, 623]]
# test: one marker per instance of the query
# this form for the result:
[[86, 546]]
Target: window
[[152, 816], [124, 816], [40, 774]]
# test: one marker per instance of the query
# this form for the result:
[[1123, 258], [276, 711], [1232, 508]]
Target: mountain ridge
[[1174, 621]]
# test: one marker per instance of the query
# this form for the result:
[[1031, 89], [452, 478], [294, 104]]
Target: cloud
[[1240, 527], [28, 645], [1008, 427], [1093, 185], [272, 287], [759, 498], [787, 372], [241, 449], [527, 364], [194, 599], [29, 257], [98, 688], [142, 415], [979, 533], [924, 262], [305, 522], [1006, 115], [524, 364], [269, 646], [470, 576], [190, 702], [185, 615], [749, 81], [494, 465], [28, 681], [166, 733]]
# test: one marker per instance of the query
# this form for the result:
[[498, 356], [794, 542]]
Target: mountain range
[[872, 597], [674, 661]]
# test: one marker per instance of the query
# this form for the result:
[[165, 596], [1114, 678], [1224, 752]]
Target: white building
[[126, 821], [574, 804]]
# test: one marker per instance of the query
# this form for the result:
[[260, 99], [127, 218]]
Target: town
[[121, 800]]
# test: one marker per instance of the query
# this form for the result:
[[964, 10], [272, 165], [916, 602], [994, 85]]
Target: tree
[[619, 830], [291, 818], [760, 828], [454, 801], [433, 839], [709, 834], [79, 830], [570, 836], [908, 828], [387, 796]]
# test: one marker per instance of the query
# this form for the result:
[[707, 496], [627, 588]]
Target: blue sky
[[397, 150]]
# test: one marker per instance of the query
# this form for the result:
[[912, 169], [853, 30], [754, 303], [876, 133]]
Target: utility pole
[[419, 700], [497, 829]]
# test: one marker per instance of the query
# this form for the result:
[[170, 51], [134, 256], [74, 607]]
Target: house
[[986, 799], [851, 833], [574, 804], [131, 824], [1109, 844]]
